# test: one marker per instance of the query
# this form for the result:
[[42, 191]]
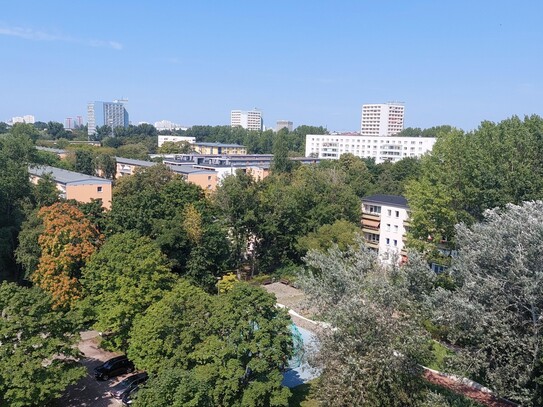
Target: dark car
[[126, 385], [113, 367], [128, 398]]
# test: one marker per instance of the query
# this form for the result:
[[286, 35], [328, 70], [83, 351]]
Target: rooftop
[[392, 200], [131, 161], [65, 176]]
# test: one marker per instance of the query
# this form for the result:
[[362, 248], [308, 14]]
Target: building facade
[[219, 148], [384, 226], [112, 114], [175, 139], [73, 185], [250, 120], [284, 124], [393, 148], [382, 119]]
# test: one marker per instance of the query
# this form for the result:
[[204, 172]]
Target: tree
[[495, 315], [121, 281], [37, 355], [28, 251], [16, 152], [45, 191], [342, 233], [102, 132], [170, 329], [370, 356], [56, 131], [67, 242], [224, 350], [170, 147], [281, 162], [84, 162], [465, 174], [105, 166]]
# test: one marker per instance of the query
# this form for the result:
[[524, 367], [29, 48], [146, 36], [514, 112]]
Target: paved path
[[89, 392]]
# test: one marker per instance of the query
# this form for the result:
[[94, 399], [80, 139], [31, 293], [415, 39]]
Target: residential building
[[73, 185], [27, 118], [219, 148], [382, 119], [205, 178], [392, 148], [250, 120], [112, 114], [60, 153], [284, 124], [175, 139], [385, 221], [166, 125]]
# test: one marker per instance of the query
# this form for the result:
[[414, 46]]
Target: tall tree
[[121, 281], [67, 242], [495, 315], [370, 355], [84, 162], [37, 351]]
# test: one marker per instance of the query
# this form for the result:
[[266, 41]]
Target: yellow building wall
[[86, 192], [205, 181]]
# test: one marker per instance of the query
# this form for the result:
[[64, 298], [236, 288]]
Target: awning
[[374, 224]]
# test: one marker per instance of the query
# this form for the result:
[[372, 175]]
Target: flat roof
[[131, 161], [66, 177], [218, 145], [189, 169], [51, 150], [391, 200]]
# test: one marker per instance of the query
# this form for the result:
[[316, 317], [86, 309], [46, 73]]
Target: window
[[395, 243], [388, 227], [397, 213], [389, 212], [99, 189], [388, 241], [396, 228]]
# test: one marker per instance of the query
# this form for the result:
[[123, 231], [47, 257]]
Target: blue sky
[[313, 62]]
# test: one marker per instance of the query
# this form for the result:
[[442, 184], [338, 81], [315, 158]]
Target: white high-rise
[[382, 119], [250, 120]]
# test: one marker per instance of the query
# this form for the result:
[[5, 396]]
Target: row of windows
[[394, 242]]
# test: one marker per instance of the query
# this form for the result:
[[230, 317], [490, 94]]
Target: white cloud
[[33, 35]]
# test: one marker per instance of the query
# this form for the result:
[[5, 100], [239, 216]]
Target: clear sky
[[314, 62]]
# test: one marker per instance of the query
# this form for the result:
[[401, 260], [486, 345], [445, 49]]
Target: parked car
[[129, 383], [113, 367], [128, 398]]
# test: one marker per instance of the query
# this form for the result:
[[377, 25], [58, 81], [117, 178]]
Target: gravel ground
[[89, 392]]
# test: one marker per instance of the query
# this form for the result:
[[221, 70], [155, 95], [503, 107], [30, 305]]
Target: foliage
[[341, 233], [227, 282], [67, 241], [160, 204], [37, 352], [371, 355], [224, 351], [28, 251], [45, 192], [170, 328], [121, 281], [496, 313], [105, 165], [465, 174], [56, 131], [170, 147], [430, 132], [16, 153]]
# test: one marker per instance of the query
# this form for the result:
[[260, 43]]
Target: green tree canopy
[[121, 281], [37, 350]]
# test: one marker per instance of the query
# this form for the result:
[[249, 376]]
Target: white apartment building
[[382, 119], [384, 226], [163, 125], [284, 124], [250, 120], [27, 118], [175, 139], [393, 148]]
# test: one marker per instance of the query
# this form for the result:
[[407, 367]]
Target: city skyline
[[458, 63]]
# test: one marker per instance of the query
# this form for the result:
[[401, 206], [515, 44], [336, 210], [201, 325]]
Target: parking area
[[88, 391]]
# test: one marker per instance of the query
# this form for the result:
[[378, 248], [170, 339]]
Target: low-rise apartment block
[[219, 148], [384, 225], [73, 185], [389, 148]]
